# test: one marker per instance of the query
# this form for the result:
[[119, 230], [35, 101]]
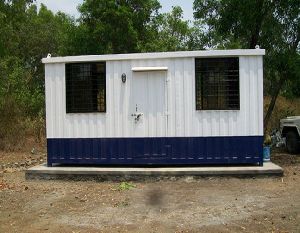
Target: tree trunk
[[258, 23], [273, 101]]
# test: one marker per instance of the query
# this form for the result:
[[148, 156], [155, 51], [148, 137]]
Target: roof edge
[[161, 55]]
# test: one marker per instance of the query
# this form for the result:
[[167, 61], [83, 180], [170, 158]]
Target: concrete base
[[134, 173]]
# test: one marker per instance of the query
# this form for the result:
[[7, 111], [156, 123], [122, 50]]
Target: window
[[217, 84], [85, 87]]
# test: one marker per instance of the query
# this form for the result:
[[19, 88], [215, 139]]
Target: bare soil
[[215, 204]]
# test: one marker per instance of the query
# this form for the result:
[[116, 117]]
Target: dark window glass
[[85, 87], [217, 84]]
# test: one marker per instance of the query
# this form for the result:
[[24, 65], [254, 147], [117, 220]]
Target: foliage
[[274, 25], [125, 186], [116, 26], [18, 101], [15, 84], [26, 35], [169, 32], [12, 15]]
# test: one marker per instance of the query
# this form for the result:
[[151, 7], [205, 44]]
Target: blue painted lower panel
[[157, 151]]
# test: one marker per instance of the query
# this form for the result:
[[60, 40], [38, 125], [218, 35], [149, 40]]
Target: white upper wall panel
[[183, 120]]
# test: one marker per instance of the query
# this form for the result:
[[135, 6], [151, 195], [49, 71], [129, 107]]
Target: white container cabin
[[193, 107]]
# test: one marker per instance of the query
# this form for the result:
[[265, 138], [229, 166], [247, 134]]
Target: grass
[[125, 186]]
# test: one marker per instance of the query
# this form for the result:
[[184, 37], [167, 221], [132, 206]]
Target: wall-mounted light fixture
[[123, 77]]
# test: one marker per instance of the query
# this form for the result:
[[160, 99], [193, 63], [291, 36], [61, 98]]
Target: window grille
[[85, 87], [217, 84]]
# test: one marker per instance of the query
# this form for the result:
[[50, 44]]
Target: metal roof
[[160, 55]]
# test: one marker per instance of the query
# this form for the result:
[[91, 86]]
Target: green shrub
[[21, 105]]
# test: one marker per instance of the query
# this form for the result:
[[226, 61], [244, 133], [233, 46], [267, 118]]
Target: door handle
[[137, 116]]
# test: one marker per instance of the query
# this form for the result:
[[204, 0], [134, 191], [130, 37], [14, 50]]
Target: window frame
[[202, 108], [74, 110]]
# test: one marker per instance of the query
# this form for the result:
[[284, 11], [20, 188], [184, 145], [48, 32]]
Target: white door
[[148, 104]]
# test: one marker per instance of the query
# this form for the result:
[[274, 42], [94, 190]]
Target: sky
[[70, 6]]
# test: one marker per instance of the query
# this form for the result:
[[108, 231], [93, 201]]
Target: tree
[[274, 25], [27, 35], [169, 32], [282, 60], [116, 26], [12, 16]]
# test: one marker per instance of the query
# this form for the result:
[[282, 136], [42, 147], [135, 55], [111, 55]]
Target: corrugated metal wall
[[182, 119]]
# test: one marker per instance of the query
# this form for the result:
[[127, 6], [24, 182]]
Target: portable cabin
[[191, 107]]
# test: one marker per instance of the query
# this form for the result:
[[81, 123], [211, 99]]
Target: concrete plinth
[[127, 173]]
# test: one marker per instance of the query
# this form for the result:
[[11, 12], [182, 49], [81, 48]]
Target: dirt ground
[[215, 204]]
